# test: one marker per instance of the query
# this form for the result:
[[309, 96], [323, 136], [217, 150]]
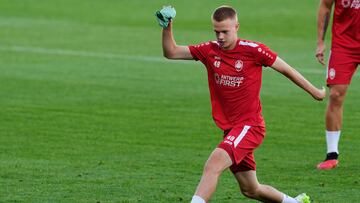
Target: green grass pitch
[[90, 111]]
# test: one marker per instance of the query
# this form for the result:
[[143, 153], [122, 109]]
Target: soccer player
[[234, 68], [343, 61]]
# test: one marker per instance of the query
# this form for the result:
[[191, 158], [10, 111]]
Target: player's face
[[226, 32]]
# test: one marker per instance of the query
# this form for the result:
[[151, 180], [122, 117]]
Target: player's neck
[[231, 46]]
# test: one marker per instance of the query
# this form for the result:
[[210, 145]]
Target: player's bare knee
[[211, 169], [216, 163], [336, 97]]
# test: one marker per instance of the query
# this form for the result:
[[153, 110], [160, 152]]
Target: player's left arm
[[282, 67], [323, 19]]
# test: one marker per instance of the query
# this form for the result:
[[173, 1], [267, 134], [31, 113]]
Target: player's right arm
[[170, 49], [323, 18]]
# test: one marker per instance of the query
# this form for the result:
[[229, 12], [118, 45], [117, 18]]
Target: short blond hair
[[223, 13]]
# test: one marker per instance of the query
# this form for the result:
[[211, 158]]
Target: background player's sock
[[197, 199], [287, 199], [332, 141], [332, 156]]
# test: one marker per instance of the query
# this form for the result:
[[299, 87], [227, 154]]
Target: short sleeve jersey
[[346, 27], [234, 78]]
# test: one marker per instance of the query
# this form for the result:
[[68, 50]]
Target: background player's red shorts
[[341, 68], [240, 143]]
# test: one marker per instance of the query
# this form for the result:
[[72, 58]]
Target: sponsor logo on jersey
[[351, 4], [346, 3], [227, 80], [239, 65]]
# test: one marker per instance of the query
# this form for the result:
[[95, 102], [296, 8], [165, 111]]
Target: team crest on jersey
[[332, 73], [239, 65]]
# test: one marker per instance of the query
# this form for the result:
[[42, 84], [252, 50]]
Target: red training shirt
[[346, 27], [234, 78]]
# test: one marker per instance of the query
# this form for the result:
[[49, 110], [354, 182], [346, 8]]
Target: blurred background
[[90, 111]]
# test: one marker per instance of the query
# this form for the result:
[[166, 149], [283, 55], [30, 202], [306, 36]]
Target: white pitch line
[[64, 52]]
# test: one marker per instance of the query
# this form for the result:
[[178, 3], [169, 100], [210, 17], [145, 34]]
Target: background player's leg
[[335, 107], [218, 161], [334, 115], [251, 188]]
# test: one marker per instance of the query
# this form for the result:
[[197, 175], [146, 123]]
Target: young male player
[[344, 59], [234, 69]]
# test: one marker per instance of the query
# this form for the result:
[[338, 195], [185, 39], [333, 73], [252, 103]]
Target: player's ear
[[237, 26]]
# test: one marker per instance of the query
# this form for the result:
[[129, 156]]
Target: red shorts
[[240, 143], [341, 68]]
